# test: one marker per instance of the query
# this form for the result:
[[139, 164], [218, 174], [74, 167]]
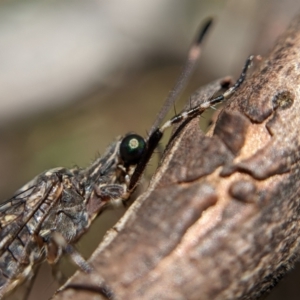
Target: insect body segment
[[43, 220], [52, 211], [19, 224]]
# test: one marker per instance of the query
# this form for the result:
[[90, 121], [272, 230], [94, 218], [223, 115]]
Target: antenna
[[189, 66], [158, 132]]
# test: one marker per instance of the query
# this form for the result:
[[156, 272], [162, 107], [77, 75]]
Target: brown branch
[[220, 218]]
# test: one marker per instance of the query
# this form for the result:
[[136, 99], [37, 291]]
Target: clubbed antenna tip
[[203, 30]]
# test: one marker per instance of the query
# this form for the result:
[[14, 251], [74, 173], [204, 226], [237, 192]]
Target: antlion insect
[[44, 218]]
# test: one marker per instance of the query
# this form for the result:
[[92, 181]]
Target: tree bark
[[220, 217]]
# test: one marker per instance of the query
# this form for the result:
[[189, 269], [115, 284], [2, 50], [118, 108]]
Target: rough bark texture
[[220, 219]]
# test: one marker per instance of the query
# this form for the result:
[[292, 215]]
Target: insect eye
[[131, 149]]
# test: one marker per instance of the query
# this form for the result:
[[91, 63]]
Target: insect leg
[[102, 290], [58, 244]]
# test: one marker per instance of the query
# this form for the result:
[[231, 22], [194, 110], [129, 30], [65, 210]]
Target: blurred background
[[76, 74]]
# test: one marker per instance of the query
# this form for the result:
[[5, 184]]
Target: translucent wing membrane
[[20, 205], [44, 218]]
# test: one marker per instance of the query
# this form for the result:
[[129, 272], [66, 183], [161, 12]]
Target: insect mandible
[[46, 216]]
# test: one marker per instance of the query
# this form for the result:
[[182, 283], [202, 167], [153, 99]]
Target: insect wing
[[18, 210]]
